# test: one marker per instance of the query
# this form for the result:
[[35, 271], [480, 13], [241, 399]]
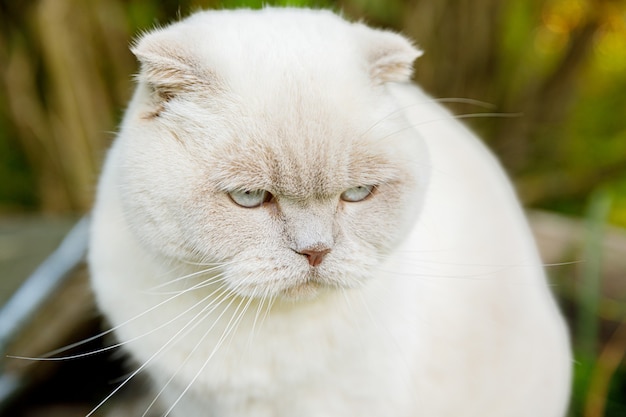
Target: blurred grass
[[591, 394], [590, 288], [66, 75]]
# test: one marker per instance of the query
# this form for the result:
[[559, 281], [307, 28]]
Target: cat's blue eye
[[250, 199], [356, 194]]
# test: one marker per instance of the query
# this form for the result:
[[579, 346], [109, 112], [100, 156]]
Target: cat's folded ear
[[390, 56], [168, 67]]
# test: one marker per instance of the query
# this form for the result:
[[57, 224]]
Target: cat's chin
[[299, 291], [302, 291], [304, 287]]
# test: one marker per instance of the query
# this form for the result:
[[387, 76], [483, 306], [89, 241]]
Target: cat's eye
[[356, 194], [250, 199]]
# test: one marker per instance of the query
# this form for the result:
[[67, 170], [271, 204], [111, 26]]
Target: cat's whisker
[[401, 110], [428, 270], [422, 262], [233, 296], [448, 118], [224, 293], [213, 296], [249, 300], [490, 275], [212, 280], [119, 344], [476, 115], [257, 314], [229, 328], [156, 397], [69, 357], [268, 308], [169, 343], [209, 263], [197, 319], [464, 100], [48, 356], [187, 277], [557, 264]]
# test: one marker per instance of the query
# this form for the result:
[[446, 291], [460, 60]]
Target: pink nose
[[314, 256]]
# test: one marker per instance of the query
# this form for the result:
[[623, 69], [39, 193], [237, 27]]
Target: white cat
[[286, 227]]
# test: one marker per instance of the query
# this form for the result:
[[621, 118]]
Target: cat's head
[[267, 142]]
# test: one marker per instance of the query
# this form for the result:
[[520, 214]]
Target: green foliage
[[597, 371], [589, 298], [589, 295]]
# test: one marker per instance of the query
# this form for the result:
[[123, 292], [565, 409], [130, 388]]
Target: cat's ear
[[168, 67], [390, 56]]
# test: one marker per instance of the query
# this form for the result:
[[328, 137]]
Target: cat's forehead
[[300, 158], [278, 57]]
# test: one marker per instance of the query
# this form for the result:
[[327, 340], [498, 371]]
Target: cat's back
[[482, 274]]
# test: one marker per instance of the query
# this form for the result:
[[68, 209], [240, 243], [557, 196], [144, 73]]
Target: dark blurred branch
[[546, 102], [562, 185], [557, 89]]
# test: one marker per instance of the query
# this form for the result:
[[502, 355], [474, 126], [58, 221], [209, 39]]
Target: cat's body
[[423, 296]]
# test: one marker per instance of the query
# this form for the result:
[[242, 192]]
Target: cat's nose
[[314, 255]]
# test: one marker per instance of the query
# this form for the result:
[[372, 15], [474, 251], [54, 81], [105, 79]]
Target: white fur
[[432, 301]]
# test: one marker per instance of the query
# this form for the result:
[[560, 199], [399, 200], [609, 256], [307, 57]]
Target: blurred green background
[[559, 65]]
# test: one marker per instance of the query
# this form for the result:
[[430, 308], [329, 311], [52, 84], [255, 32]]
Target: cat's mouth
[[305, 287], [289, 283], [312, 285]]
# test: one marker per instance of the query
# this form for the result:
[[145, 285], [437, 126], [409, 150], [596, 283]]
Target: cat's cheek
[[377, 222], [405, 200], [224, 232]]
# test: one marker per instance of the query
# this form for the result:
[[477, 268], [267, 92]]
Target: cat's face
[[290, 177]]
